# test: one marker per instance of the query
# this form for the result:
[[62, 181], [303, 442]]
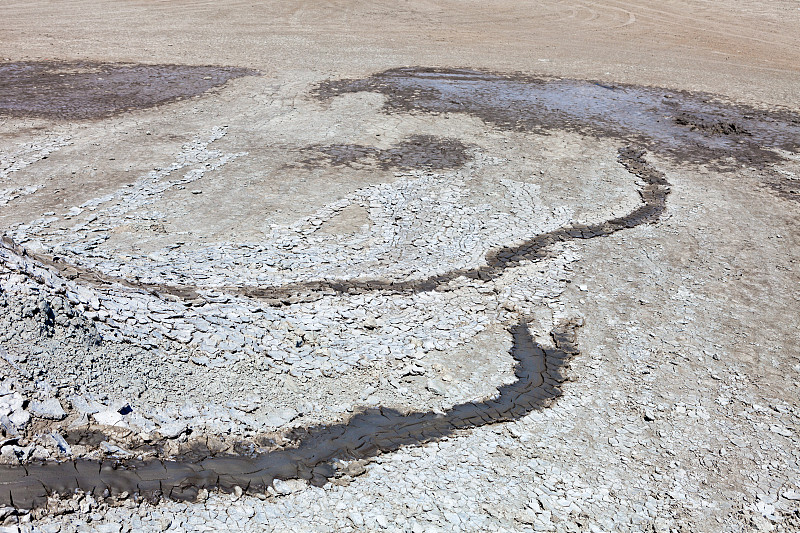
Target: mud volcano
[[687, 127]]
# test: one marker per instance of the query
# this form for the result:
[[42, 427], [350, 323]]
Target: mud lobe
[[88, 90]]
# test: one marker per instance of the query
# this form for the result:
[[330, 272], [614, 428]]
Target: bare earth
[[234, 228]]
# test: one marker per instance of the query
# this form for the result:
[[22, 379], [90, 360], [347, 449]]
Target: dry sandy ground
[[681, 412]]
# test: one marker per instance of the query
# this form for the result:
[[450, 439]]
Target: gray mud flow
[[86, 90], [653, 194], [692, 127], [365, 435]]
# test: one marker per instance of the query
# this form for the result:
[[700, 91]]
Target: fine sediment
[[539, 373], [700, 130]]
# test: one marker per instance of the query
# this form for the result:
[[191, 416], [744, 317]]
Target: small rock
[[791, 494], [526, 516], [9, 455], [762, 524], [356, 468], [436, 387], [85, 407], [781, 430], [356, 518], [49, 409], [62, 445], [113, 449], [288, 486], [280, 417], [172, 430], [109, 418], [20, 418]]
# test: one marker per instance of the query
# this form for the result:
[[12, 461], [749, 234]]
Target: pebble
[[50, 409]]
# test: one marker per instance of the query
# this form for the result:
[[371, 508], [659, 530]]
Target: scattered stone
[[109, 418], [172, 430], [50, 409], [280, 417]]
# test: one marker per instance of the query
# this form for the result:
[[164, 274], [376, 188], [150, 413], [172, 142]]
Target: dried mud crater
[[688, 128]]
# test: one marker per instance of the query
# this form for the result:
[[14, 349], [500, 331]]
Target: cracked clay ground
[[421, 266]]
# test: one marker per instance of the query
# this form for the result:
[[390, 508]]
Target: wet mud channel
[[693, 128]]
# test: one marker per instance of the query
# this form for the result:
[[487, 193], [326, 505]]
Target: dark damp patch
[[415, 152], [538, 371], [689, 127], [85, 437], [784, 187], [86, 90]]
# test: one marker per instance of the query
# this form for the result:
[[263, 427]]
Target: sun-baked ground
[[681, 411]]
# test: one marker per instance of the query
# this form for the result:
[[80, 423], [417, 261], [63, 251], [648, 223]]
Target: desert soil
[[231, 229]]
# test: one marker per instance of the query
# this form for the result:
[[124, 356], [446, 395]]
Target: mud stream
[[688, 127]]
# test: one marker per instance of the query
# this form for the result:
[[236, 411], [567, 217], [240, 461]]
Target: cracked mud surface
[[538, 371], [367, 434], [257, 289]]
